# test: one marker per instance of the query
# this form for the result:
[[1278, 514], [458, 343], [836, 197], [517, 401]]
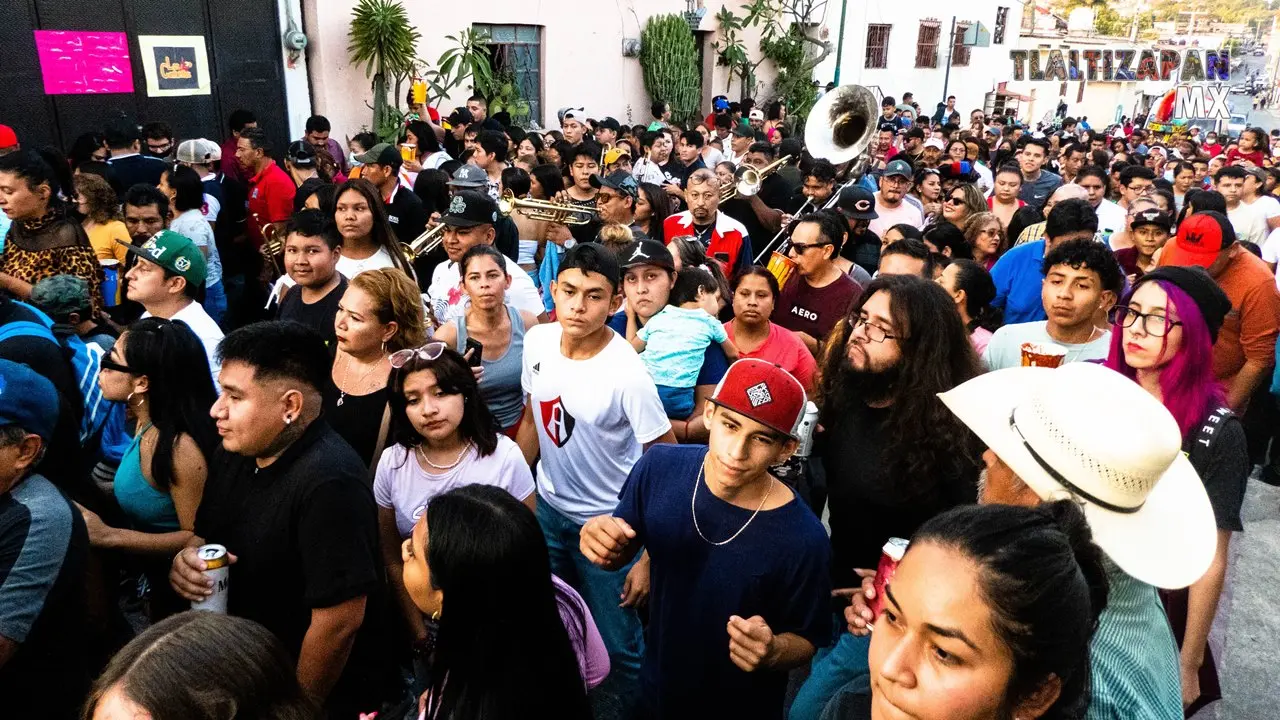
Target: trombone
[[547, 210], [423, 244], [749, 179]]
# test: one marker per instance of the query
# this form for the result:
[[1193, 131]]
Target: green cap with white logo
[[173, 252]]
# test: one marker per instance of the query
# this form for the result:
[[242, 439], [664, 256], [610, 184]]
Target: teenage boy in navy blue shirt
[[740, 590]]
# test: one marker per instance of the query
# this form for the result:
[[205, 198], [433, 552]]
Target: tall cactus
[[669, 59]]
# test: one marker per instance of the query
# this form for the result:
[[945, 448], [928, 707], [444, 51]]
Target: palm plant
[[383, 42]]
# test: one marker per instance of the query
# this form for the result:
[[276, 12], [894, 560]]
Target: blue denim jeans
[[620, 627], [215, 301], [833, 668]]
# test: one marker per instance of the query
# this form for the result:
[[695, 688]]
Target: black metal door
[[243, 43]]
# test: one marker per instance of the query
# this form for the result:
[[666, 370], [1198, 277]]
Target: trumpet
[[423, 244], [273, 244], [547, 210], [750, 179]]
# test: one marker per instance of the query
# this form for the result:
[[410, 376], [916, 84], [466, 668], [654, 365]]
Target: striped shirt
[[1133, 657]]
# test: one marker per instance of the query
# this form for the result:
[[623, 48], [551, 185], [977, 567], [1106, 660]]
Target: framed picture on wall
[[174, 65]]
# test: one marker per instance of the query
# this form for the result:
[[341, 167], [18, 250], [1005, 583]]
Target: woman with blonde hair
[[986, 236], [379, 314]]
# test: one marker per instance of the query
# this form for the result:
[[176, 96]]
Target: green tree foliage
[[384, 43], [669, 59]]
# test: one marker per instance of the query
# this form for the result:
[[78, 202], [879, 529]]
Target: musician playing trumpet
[[469, 221]]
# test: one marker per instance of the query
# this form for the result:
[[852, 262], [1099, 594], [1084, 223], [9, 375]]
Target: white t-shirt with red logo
[[593, 418]]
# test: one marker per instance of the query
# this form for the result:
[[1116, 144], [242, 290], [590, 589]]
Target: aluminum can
[[218, 569], [890, 556]]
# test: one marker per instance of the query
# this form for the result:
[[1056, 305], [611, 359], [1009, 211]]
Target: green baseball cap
[[175, 253]]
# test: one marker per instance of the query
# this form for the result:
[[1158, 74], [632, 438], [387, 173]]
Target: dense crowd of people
[[489, 422]]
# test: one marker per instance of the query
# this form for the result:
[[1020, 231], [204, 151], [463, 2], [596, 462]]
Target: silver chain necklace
[[693, 509], [422, 454], [342, 394]]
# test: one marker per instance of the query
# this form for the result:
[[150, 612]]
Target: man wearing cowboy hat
[[1147, 508]]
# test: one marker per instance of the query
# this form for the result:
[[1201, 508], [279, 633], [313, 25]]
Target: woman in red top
[[1252, 140], [755, 293]]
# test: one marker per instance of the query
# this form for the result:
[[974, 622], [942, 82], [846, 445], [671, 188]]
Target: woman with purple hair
[[1163, 338]]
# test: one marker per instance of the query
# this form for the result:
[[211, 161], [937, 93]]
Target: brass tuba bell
[[842, 124]]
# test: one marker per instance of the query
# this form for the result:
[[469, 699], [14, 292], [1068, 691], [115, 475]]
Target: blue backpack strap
[[25, 328]]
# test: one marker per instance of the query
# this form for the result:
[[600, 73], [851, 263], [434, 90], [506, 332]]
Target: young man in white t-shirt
[[1082, 279], [1254, 195], [591, 409], [469, 221], [166, 280], [1249, 221]]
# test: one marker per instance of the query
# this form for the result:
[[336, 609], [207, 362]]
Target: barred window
[[960, 51], [927, 44], [878, 46]]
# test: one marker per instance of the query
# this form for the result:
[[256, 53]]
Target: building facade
[[894, 48], [569, 54]]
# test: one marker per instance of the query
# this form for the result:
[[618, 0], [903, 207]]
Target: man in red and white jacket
[[726, 239]]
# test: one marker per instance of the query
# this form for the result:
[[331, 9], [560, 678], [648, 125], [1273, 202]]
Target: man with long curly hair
[[892, 453]]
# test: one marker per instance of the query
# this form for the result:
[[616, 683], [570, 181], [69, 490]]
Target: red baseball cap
[[1201, 237], [763, 392], [8, 138]]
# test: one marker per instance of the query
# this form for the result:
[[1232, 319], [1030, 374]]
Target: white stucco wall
[[987, 66], [582, 60]]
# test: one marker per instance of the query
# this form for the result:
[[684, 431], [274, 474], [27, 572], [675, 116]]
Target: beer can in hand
[[890, 556], [217, 568]]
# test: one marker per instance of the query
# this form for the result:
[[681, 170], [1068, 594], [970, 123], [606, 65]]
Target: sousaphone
[[840, 128]]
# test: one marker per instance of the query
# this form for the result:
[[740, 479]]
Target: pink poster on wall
[[83, 63]]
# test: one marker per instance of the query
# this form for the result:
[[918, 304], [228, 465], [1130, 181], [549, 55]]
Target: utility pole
[[844, 6], [951, 50]]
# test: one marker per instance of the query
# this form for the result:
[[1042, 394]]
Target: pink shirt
[[784, 349]]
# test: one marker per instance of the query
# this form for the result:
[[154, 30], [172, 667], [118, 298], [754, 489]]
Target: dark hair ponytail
[[979, 290], [1044, 582]]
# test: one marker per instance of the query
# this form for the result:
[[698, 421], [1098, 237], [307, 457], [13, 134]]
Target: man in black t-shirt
[[312, 248], [291, 502], [760, 213], [127, 162], [405, 211]]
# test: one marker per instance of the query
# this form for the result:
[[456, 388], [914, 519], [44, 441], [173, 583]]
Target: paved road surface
[[1246, 636], [1266, 118]]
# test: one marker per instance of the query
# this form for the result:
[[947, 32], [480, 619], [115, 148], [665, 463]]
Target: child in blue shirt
[[673, 342]]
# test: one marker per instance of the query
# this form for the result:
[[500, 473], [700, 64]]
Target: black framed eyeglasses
[[874, 333], [1125, 316], [430, 351]]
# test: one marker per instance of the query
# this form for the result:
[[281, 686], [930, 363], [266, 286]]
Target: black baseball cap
[[301, 154], [646, 252], [740, 130], [1152, 216], [460, 116], [469, 208], [609, 124], [858, 203], [619, 180]]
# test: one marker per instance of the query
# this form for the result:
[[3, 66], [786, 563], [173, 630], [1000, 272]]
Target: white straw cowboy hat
[[1084, 431]]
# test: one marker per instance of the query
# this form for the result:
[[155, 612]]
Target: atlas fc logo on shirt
[[556, 421]]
